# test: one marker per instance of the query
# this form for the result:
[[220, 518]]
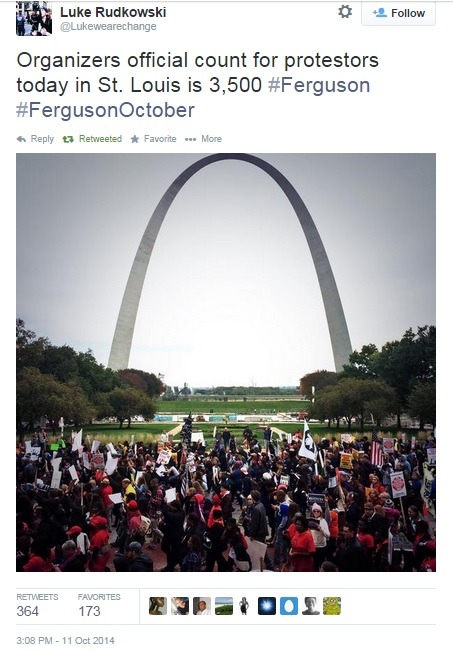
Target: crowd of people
[[204, 507], [39, 19]]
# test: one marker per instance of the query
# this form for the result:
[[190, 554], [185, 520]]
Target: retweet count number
[[27, 610]]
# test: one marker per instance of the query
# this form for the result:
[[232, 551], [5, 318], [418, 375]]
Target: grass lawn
[[150, 432], [200, 405]]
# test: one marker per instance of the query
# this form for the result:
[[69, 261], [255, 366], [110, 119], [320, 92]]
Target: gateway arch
[[124, 331]]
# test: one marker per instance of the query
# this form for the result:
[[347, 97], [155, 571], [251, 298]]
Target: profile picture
[[157, 605], [310, 605], [202, 605], [267, 605], [33, 19], [180, 605], [331, 605], [224, 605]]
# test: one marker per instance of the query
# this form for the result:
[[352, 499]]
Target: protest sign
[[398, 485], [427, 482], [196, 436], [98, 460], [56, 480], [74, 475], [164, 457], [56, 462], [284, 480], [346, 461], [388, 445], [160, 471], [320, 499], [116, 497], [170, 495], [76, 440], [401, 543], [346, 437], [431, 455], [95, 446], [111, 464]]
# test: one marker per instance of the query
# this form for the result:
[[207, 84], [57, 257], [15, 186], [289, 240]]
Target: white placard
[[164, 457], [111, 464], [56, 462], [160, 471], [347, 437], [74, 476], [116, 498], [95, 446], [196, 436], [170, 495], [56, 480], [76, 440], [398, 485]]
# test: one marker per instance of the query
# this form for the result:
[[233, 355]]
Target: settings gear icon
[[345, 11]]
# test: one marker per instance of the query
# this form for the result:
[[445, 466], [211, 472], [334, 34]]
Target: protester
[[320, 532], [138, 561], [303, 548], [203, 528]]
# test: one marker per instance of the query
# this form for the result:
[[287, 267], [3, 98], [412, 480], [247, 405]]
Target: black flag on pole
[[186, 431]]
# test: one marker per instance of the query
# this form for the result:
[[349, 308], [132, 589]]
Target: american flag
[[184, 482], [376, 455]]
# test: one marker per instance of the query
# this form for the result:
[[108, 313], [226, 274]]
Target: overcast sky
[[231, 295]]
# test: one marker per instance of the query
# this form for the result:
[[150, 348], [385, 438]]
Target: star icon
[[134, 139]]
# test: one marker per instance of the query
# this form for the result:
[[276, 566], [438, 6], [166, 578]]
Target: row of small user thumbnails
[[227, 605]]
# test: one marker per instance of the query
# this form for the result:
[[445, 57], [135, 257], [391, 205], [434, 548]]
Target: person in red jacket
[[303, 548], [106, 490], [134, 518], [429, 563], [99, 544], [40, 557]]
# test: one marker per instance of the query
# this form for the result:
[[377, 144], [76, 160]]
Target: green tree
[[64, 363], [402, 364], [42, 395], [127, 402], [29, 348], [361, 363], [145, 381], [328, 405], [421, 403], [319, 380], [355, 398]]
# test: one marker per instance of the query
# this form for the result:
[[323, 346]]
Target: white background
[[407, 112]]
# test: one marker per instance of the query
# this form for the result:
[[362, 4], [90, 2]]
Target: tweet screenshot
[[229, 228]]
